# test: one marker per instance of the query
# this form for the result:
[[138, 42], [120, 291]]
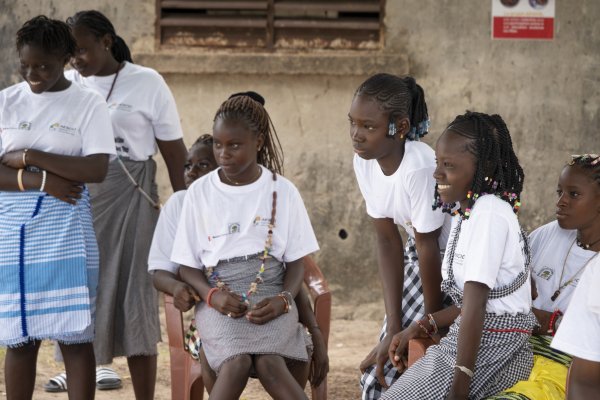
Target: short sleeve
[[485, 247], [580, 328], [165, 120], [301, 239], [186, 246], [159, 257], [97, 132], [421, 189]]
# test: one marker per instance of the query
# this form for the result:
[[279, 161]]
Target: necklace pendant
[[555, 295]]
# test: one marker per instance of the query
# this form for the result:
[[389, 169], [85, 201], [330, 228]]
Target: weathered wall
[[548, 92]]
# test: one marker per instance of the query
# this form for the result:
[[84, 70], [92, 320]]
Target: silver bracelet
[[43, 181], [466, 370]]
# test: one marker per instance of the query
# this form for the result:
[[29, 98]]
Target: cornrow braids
[[400, 97], [253, 115], [589, 163], [50, 35], [205, 139], [99, 25], [497, 171]]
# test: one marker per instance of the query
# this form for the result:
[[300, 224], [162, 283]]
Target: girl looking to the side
[[55, 137], [394, 171], [485, 271], [238, 226]]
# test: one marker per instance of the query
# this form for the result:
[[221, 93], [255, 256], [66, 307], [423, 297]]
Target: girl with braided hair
[[579, 190], [562, 251], [485, 271], [242, 234], [55, 136], [394, 171]]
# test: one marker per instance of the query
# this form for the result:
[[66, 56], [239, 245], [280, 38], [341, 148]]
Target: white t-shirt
[[550, 245], [142, 109], [71, 122], [405, 196], [579, 331], [164, 235], [219, 221], [490, 251]]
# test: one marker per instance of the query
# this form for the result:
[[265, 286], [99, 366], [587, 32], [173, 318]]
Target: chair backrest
[[185, 371]]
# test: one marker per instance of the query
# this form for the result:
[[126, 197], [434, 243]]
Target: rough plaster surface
[[547, 91]]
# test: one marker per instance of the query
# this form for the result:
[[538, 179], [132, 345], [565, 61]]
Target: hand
[[184, 296], [398, 348], [63, 189], [228, 303], [266, 310], [13, 159], [319, 366], [377, 356]]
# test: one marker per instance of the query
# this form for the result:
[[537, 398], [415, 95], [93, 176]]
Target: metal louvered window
[[271, 24]]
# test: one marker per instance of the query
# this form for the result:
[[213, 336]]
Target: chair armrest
[[174, 322], [417, 348]]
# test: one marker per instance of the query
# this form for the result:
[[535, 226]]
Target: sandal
[[107, 379], [57, 384]]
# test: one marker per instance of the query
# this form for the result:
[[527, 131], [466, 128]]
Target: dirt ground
[[354, 332]]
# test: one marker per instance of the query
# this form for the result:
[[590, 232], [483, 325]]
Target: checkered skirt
[[413, 305]]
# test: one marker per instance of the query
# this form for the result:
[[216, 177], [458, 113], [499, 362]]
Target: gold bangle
[[25, 157], [20, 180]]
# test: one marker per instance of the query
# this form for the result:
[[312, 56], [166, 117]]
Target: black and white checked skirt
[[224, 338], [503, 359]]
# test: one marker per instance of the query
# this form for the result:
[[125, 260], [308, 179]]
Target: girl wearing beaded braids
[[394, 171], [485, 271], [562, 251], [241, 237]]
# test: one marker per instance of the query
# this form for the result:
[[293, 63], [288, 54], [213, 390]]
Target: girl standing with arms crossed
[[394, 171], [144, 117], [238, 226], [485, 271], [54, 135]]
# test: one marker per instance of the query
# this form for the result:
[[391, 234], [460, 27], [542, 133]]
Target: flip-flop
[[107, 379], [57, 384]]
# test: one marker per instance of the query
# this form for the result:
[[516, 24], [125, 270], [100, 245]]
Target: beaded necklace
[[212, 274]]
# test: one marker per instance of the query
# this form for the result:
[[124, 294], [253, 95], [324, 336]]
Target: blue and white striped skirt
[[48, 269]]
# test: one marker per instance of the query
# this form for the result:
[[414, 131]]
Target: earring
[[392, 129]]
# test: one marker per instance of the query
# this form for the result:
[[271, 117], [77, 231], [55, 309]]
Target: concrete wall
[[548, 92]]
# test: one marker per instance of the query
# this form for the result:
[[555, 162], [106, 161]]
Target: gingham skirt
[[224, 338], [503, 359], [413, 305]]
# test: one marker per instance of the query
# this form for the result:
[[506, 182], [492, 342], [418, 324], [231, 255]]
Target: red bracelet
[[209, 295], [553, 317]]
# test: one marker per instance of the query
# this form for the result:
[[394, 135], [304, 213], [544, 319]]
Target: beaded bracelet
[[552, 323], [423, 328], [285, 301], [434, 327], [209, 295]]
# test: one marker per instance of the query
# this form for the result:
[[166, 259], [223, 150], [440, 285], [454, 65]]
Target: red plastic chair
[[185, 372]]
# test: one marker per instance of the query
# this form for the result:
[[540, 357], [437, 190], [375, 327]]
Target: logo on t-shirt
[[120, 107], [545, 273], [58, 127], [261, 221], [25, 126], [232, 228]]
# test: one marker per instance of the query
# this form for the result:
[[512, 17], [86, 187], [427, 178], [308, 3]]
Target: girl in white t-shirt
[[394, 171], [238, 226], [561, 253], [485, 271], [580, 328], [54, 136], [144, 118]]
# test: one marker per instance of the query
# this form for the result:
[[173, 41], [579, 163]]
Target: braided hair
[[400, 97], [243, 108], [205, 140], [99, 25], [497, 171], [589, 163], [50, 35]]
